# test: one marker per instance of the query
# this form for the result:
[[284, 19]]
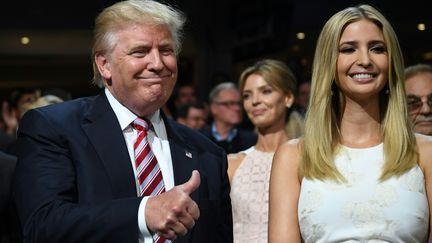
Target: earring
[[387, 91]]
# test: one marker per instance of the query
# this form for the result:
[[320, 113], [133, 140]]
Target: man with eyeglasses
[[418, 86], [227, 114]]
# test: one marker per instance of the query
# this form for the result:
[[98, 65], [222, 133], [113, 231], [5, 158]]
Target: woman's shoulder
[[289, 151], [240, 155], [234, 161], [424, 144], [292, 144], [234, 157]]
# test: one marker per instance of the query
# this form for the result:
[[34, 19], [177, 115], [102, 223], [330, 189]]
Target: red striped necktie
[[149, 175]]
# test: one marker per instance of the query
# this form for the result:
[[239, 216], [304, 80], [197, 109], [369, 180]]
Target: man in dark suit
[[7, 212], [76, 177]]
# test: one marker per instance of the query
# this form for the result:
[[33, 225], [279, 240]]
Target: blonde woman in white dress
[[267, 89], [359, 174]]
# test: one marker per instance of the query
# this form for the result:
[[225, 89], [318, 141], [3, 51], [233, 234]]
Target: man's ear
[[103, 65]]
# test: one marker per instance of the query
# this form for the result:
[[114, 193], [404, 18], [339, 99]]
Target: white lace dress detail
[[249, 197], [364, 209]]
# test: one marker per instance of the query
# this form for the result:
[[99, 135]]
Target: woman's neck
[[360, 124], [269, 142]]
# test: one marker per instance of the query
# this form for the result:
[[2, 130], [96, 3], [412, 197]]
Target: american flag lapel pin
[[188, 154]]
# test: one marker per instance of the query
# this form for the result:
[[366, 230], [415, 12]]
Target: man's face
[[419, 96], [302, 98], [226, 108], [186, 94], [196, 118], [141, 70]]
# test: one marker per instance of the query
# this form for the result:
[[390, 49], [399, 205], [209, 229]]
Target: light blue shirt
[[218, 137]]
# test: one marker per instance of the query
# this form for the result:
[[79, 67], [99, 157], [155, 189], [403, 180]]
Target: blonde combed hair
[[276, 73], [322, 133]]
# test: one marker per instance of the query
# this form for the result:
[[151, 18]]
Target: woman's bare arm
[[284, 195]]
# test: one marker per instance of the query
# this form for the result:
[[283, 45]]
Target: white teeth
[[362, 76]]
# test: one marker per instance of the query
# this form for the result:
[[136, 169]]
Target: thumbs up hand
[[173, 213]]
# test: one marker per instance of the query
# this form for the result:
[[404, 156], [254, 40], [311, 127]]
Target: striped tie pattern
[[149, 175]]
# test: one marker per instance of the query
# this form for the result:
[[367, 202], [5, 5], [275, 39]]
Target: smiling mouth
[[363, 76], [258, 112], [157, 79]]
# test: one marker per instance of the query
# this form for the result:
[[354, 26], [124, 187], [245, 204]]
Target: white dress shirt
[[159, 144]]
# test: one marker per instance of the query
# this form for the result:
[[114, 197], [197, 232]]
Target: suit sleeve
[[47, 197]]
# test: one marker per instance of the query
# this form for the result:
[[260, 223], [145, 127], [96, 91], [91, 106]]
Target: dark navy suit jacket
[[8, 221], [74, 181]]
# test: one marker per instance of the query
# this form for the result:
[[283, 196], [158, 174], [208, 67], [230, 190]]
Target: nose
[[425, 108], [154, 60], [364, 58], [255, 99]]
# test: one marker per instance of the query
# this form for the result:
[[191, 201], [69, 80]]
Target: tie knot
[[141, 124]]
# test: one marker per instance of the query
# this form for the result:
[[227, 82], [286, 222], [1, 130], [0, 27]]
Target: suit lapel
[[184, 157], [184, 160], [104, 132]]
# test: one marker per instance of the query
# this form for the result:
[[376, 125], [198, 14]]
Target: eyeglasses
[[415, 103], [228, 104]]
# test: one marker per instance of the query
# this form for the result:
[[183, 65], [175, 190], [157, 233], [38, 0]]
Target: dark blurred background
[[222, 37]]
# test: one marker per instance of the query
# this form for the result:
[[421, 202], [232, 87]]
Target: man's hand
[[173, 213], [9, 118]]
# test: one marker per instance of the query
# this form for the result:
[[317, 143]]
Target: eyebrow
[[418, 97], [373, 42], [261, 87]]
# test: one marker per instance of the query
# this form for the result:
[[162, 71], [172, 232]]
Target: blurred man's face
[[197, 118], [186, 94], [302, 98], [227, 107], [419, 97]]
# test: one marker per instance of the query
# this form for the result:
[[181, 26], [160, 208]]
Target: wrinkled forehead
[[419, 84]]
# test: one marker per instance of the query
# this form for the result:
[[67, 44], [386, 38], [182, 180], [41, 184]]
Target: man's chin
[[424, 130]]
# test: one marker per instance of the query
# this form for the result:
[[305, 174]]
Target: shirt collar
[[218, 137], [125, 116]]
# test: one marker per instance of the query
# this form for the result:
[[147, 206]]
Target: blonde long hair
[[322, 133]]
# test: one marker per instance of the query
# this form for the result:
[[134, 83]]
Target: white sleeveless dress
[[363, 209], [249, 197]]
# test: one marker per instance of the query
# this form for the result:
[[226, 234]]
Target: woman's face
[[362, 64], [264, 105]]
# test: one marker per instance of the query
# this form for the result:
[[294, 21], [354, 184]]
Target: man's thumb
[[193, 183]]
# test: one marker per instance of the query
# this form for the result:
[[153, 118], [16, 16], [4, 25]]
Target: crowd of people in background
[[327, 127]]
